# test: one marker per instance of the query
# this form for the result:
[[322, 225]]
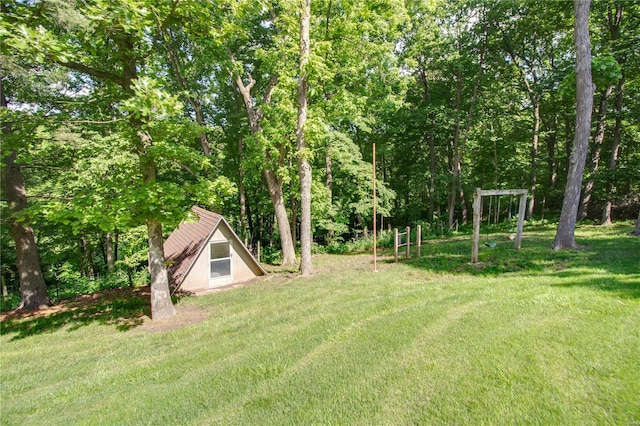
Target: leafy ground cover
[[532, 336]]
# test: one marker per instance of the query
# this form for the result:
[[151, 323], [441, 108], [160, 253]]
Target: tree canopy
[[120, 115]]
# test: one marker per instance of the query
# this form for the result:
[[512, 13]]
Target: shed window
[[220, 259]]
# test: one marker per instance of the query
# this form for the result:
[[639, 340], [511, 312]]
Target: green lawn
[[528, 337]]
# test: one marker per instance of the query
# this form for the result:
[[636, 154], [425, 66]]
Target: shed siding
[[198, 277]]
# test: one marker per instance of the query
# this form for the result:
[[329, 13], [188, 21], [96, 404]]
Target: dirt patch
[[125, 308], [185, 315], [81, 303]]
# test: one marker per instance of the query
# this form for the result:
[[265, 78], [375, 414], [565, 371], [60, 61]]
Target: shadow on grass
[[626, 289], [124, 308], [606, 250]]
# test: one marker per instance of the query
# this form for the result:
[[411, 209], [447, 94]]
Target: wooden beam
[[477, 215], [521, 211], [485, 192]]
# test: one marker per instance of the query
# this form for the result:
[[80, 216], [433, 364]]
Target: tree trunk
[[33, 291], [615, 148], [274, 186], [534, 154], [294, 216], [130, 63], [455, 154], [565, 235], [615, 22], [636, 230], [329, 172], [304, 167], [432, 145], [110, 252], [598, 138], [551, 153], [87, 258], [161, 304], [241, 192]]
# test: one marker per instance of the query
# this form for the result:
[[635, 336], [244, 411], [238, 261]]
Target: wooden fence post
[[408, 242], [477, 216], [419, 238], [395, 243]]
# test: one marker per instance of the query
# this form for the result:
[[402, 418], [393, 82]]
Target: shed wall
[[198, 277]]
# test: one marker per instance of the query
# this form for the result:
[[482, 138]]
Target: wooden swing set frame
[[477, 215]]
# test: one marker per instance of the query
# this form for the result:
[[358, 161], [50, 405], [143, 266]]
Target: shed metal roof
[[185, 243]]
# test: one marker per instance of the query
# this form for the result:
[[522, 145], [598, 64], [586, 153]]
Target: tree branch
[[273, 81], [93, 72]]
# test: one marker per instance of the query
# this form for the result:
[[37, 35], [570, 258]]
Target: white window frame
[[220, 259]]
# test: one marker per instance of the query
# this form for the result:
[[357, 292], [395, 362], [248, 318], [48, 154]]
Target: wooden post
[[408, 242], [395, 243], [258, 251], [477, 217], [521, 210], [419, 238]]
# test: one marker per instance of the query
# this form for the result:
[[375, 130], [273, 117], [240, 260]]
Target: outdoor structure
[[207, 254], [398, 238], [477, 215]]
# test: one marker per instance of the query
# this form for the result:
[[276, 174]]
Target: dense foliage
[[456, 94]]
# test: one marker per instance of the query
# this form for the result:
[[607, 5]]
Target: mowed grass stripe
[[529, 337]]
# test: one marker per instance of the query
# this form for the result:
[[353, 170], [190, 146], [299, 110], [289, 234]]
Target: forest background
[[118, 116]]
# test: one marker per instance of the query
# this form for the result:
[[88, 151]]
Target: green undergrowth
[[524, 337]]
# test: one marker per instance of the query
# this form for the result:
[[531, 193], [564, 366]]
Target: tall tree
[[304, 166], [565, 238], [263, 77], [33, 291], [109, 46]]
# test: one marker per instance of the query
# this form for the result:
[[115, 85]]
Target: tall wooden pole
[[375, 231], [477, 218]]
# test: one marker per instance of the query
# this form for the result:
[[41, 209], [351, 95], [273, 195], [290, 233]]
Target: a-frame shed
[[208, 254]]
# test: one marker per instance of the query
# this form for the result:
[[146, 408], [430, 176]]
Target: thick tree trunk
[[304, 167], [565, 238], [274, 186], [598, 138], [33, 291], [161, 304], [615, 148], [636, 230]]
